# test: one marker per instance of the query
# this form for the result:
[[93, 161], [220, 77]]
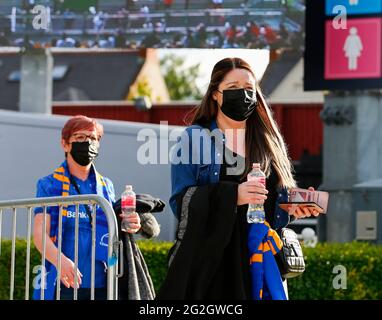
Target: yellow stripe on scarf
[[60, 170], [59, 174], [269, 245], [61, 178], [273, 234], [101, 180], [257, 257], [264, 247]]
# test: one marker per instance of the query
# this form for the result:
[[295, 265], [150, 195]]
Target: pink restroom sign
[[354, 52]]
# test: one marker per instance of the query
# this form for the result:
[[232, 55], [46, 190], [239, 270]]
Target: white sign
[[353, 48]]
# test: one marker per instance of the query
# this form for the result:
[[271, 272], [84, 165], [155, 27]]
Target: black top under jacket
[[209, 259]]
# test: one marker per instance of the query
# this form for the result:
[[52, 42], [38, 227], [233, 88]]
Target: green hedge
[[5, 267], [363, 264], [362, 261]]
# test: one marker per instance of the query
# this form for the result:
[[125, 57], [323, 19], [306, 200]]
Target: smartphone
[[314, 199], [288, 206]]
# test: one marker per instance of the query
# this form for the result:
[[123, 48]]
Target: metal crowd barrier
[[114, 245]]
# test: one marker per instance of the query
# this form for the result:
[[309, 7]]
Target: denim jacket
[[191, 167]]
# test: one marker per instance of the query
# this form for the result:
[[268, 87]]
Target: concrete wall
[[30, 149], [352, 155]]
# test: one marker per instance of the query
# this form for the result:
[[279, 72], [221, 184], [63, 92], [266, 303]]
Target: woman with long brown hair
[[230, 130]]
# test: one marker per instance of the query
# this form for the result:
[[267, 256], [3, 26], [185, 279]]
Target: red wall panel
[[300, 124], [301, 127]]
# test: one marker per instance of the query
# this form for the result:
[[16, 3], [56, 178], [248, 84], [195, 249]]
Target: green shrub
[[155, 254], [20, 262], [363, 265], [362, 261]]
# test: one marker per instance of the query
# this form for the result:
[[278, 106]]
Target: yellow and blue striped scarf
[[61, 187], [263, 244]]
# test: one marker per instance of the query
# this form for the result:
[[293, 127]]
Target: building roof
[[279, 66], [87, 75], [283, 81]]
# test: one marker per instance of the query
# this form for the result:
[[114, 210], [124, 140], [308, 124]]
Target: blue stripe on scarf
[[266, 278]]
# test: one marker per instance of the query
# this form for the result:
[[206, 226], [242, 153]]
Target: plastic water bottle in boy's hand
[[128, 206], [255, 213]]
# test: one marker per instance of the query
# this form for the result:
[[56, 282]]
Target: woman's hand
[[251, 192], [134, 221], [304, 212], [68, 272]]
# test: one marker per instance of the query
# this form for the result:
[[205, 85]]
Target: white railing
[[114, 245]]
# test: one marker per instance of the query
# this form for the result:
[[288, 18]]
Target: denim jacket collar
[[213, 125]]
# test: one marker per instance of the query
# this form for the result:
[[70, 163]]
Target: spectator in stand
[[217, 4], [152, 40], [255, 29], [231, 32], [132, 45], [248, 36], [145, 10], [53, 43], [176, 41], [120, 40], [201, 36], [188, 40], [230, 43], [161, 25], [24, 42], [283, 36], [98, 19], [270, 35], [262, 40], [167, 4], [106, 42], [216, 40], [130, 5], [28, 4], [65, 42]]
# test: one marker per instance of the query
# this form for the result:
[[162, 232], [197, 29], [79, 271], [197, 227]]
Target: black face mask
[[238, 104], [84, 152]]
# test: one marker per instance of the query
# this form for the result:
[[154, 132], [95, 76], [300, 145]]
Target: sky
[[258, 59]]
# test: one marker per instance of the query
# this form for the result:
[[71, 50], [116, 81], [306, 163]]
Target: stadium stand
[[155, 23]]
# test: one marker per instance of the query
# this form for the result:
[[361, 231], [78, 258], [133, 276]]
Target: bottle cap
[[129, 187], [256, 165]]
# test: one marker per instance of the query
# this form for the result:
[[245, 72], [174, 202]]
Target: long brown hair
[[263, 141]]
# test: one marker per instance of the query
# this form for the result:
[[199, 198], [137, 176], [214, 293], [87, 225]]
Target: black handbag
[[290, 258]]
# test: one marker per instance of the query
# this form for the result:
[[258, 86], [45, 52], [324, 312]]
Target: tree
[[142, 88], [180, 80]]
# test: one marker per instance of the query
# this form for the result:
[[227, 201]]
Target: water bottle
[[255, 213], [128, 206]]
